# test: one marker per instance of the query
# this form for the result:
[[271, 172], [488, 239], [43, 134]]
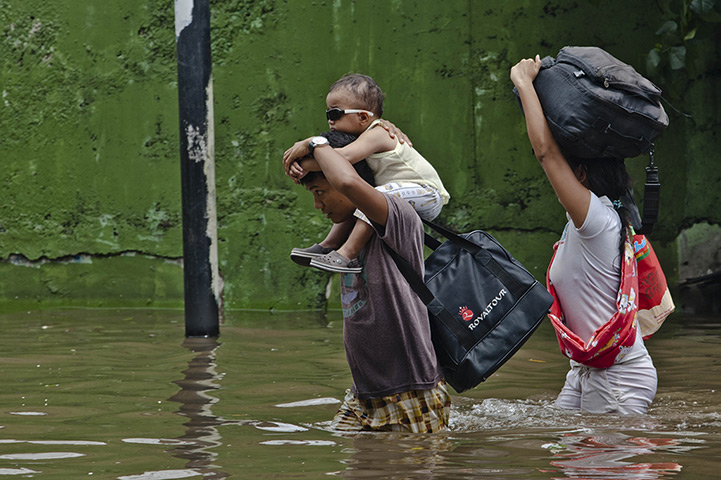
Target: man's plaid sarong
[[416, 411]]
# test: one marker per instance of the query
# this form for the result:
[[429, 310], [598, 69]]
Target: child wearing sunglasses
[[355, 106]]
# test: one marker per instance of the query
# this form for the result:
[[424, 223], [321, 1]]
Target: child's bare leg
[[362, 232], [338, 234]]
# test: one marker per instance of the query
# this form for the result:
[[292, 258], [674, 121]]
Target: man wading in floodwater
[[397, 381]]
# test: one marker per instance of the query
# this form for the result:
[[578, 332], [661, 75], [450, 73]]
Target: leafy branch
[[687, 22]]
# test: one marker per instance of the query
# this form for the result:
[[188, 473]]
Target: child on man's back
[[355, 105]]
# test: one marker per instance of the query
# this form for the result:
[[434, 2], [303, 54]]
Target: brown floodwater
[[120, 394]]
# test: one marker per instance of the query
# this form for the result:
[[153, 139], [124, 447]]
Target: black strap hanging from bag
[[483, 304], [651, 196]]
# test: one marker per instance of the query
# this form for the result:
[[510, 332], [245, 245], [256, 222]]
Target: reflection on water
[[121, 395], [400, 455], [196, 401], [579, 455]]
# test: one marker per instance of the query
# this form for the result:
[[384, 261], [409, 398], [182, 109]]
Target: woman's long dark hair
[[608, 176]]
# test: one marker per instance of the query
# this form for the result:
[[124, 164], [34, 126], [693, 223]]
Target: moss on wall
[[90, 139], [124, 280], [89, 148], [90, 118]]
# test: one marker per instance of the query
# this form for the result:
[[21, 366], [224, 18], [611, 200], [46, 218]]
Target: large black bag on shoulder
[[483, 304], [597, 106]]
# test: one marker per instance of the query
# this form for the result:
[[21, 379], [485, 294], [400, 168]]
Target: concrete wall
[[91, 189]]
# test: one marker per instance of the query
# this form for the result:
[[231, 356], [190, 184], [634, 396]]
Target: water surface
[[120, 394]]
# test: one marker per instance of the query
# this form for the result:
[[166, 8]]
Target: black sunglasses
[[336, 113]]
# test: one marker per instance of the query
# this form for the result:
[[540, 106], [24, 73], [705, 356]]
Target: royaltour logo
[[467, 314]]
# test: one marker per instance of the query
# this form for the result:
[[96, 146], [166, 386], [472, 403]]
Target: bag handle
[[452, 236], [436, 308], [513, 285], [431, 242]]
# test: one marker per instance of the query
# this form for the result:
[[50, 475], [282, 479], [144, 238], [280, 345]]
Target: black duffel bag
[[482, 303], [597, 106]]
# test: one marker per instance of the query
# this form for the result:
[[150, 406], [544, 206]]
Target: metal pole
[[203, 303]]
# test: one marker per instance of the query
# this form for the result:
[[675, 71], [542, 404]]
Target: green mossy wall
[[90, 213]]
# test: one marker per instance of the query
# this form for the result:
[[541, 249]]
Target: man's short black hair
[[337, 140]]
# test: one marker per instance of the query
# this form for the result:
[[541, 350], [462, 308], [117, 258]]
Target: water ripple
[[41, 456], [162, 475], [310, 402], [16, 471]]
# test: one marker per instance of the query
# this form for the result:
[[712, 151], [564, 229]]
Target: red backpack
[[654, 299]]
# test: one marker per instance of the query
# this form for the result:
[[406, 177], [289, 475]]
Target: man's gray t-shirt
[[386, 331]]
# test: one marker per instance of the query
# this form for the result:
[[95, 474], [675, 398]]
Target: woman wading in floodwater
[[587, 270]]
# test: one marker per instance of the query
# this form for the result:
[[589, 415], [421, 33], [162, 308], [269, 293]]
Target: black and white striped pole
[[203, 302]]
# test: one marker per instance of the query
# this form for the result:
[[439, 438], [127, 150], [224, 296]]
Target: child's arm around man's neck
[[375, 140]]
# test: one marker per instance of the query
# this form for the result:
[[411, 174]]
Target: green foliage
[[688, 27]]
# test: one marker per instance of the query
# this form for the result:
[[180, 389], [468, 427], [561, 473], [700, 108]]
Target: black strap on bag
[[478, 251], [651, 196]]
